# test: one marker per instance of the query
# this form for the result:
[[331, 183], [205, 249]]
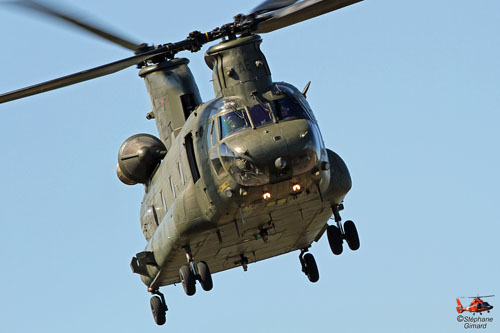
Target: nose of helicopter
[[278, 151]]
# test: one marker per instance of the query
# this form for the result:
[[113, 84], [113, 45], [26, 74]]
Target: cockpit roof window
[[221, 106], [233, 122], [288, 108]]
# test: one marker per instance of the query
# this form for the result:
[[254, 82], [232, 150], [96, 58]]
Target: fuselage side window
[[163, 202], [181, 174], [172, 187], [155, 215]]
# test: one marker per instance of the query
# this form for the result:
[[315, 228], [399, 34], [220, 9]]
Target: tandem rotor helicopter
[[238, 179]]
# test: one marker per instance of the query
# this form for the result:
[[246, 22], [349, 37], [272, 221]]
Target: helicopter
[[476, 306], [232, 181]]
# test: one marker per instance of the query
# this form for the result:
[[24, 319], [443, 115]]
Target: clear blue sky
[[407, 92]]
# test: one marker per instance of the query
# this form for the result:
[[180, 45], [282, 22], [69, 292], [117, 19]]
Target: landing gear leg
[[191, 272], [336, 234], [309, 266], [158, 307], [244, 262], [187, 274]]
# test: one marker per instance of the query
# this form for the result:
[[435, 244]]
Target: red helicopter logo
[[477, 305]]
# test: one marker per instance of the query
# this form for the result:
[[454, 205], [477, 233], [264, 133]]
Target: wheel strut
[[243, 262], [336, 209], [162, 297], [190, 260], [336, 235], [301, 259], [309, 266], [158, 307]]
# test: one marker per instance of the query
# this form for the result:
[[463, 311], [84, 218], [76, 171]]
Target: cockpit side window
[[213, 133], [216, 163], [288, 108], [260, 114], [209, 134], [233, 122]]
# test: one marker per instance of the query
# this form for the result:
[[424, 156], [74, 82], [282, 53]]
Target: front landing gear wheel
[[351, 235], [334, 239], [311, 267], [158, 309], [188, 280], [205, 276]]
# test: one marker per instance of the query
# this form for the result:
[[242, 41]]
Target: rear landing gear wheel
[[188, 280], [158, 309], [334, 239], [311, 267], [351, 235], [205, 276]]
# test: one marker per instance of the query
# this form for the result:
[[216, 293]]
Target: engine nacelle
[[138, 158]]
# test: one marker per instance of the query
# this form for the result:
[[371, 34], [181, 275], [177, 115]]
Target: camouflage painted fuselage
[[207, 193]]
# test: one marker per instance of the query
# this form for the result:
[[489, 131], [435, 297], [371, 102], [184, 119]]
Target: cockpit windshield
[[233, 122], [288, 108], [260, 114]]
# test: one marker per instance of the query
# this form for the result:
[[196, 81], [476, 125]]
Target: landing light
[[296, 187], [266, 195]]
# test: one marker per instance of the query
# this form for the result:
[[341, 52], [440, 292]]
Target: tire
[[311, 267], [205, 276], [334, 239], [188, 280], [351, 235], [158, 310]]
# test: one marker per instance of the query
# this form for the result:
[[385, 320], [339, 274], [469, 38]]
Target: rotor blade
[[270, 5], [79, 22], [85, 75], [299, 12]]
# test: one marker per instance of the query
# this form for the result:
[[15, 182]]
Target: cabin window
[[181, 174], [172, 187], [155, 215], [163, 202], [188, 102]]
